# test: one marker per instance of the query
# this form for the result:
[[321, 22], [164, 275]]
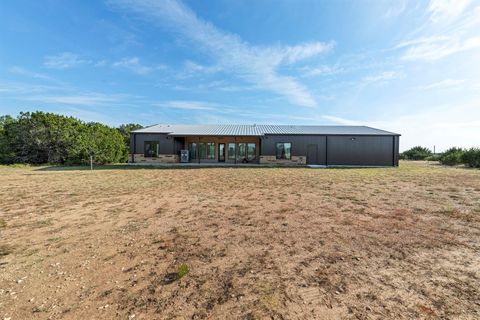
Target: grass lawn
[[242, 243]]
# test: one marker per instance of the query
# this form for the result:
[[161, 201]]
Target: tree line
[[451, 157], [48, 138]]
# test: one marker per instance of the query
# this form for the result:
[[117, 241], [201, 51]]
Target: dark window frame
[[276, 150], [150, 154]]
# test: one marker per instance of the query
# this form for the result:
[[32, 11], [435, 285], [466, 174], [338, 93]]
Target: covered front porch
[[220, 149]]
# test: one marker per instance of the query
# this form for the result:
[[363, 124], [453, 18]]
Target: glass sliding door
[[221, 152], [231, 151], [242, 152], [192, 150], [251, 151], [210, 150], [202, 151]]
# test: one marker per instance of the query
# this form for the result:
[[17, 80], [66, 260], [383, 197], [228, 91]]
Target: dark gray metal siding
[[396, 150], [360, 150], [340, 150], [299, 145], [166, 143]]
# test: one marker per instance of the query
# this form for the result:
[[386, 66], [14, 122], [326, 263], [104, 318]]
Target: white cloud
[[292, 54], [257, 65], [320, 70], [133, 64], [452, 28], [27, 73], [431, 49], [446, 83], [396, 8], [195, 105], [84, 100], [383, 76], [187, 105], [442, 10], [63, 60]]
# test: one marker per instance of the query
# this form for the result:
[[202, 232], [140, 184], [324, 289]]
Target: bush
[[452, 156], [417, 153], [433, 157], [471, 157]]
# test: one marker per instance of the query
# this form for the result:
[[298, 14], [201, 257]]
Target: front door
[[312, 154], [221, 152]]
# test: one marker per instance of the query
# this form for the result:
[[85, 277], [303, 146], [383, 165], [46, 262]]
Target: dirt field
[[397, 243]]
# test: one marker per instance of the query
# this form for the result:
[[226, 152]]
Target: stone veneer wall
[[162, 158], [296, 160]]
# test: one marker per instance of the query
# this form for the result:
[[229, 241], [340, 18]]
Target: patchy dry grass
[[260, 243]]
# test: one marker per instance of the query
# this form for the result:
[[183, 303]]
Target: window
[[151, 149], [202, 152], [284, 150], [210, 150], [192, 150], [251, 151], [231, 151]]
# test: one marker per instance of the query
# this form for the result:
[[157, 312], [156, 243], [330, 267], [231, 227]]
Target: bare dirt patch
[[240, 243]]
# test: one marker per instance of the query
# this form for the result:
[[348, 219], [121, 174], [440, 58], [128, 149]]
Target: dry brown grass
[[258, 243]]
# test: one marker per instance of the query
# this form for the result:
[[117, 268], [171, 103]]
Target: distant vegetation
[[417, 153], [48, 138], [451, 157]]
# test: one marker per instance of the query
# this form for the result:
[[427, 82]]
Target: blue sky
[[411, 67]]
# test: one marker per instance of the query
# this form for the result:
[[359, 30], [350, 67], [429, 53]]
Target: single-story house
[[265, 144]]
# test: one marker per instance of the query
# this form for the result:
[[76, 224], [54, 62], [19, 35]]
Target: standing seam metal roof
[[260, 130]]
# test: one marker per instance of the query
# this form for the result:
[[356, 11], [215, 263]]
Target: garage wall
[[360, 150]]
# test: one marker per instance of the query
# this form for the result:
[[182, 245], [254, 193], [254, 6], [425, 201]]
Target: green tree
[[417, 153], [40, 137], [105, 144], [6, 153], [125, 130]]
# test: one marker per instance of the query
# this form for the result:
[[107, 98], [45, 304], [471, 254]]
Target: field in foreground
[[259, 243]]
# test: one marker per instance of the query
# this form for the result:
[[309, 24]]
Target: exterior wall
[[299, 146], [162, 158], [166, 143], [396, 150], [360, 150], [296, 160]]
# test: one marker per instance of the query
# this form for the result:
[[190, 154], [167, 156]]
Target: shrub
[[471, 157], [433, 157], [452, 156], [182, 270], [416, 153]]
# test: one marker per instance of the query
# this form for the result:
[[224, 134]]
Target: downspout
[[235, 141], [326, 151]]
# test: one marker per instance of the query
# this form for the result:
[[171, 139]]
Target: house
[[265, 144]]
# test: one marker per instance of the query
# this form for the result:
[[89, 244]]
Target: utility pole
[[91, 162], [434, 149]]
